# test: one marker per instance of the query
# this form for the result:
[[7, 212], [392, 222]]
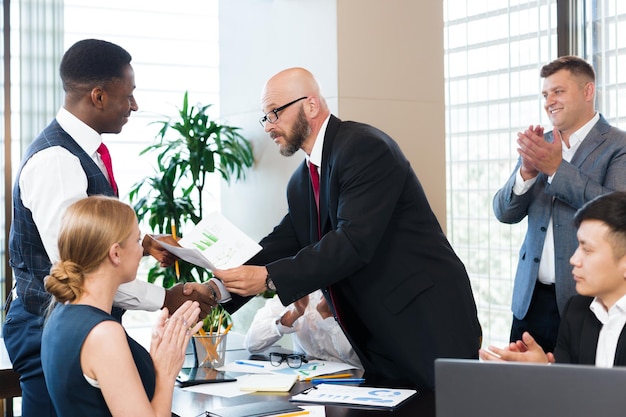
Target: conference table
[[193, 404], [190, 404]]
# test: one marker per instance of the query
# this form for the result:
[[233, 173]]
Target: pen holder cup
[[209, 350]]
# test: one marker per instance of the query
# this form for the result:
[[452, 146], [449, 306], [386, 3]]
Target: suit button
[[543, 229], [536, 260]]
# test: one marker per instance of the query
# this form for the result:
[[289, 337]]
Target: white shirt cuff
[[139, 295], [521, 186]]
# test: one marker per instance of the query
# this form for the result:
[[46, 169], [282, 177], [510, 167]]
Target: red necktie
[[106, 159], [315, 181]]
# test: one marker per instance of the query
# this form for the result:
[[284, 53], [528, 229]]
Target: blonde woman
[[91, 366]]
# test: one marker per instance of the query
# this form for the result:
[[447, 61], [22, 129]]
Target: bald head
[[304, 117], [293, 81], [290, 84]]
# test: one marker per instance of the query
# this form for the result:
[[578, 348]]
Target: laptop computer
[[473, 388]]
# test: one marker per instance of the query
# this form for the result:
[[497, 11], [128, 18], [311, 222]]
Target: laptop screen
[[473, 388]]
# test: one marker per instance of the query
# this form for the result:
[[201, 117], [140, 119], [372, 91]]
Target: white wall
[[259, 38]]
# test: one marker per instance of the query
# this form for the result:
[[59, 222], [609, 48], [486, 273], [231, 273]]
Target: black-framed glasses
[[294, 360], [272, 115]]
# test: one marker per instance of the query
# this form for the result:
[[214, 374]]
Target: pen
[[249, 364], [337, 381], [297, 413], [175, 262], [330, 376]]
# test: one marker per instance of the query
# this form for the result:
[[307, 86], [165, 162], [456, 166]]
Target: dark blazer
[[598, 167], [402, 294], [579, 332]]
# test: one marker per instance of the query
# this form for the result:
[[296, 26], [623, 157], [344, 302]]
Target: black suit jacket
[[579, 332], [402, 294]]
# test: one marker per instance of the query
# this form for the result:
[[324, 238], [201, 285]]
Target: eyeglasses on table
[[294, 360]]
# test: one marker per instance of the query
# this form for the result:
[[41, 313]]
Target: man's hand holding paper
[[244, 280], [152, 246]]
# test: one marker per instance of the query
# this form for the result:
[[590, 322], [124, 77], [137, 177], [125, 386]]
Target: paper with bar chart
[[215, 243]]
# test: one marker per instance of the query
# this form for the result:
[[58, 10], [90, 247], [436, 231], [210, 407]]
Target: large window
[[174, 49], [605, 48], [493, 53]]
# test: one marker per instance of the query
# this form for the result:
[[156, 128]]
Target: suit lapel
[[620, 351], [589, 339], [307, 201], [595, 137], [327, 167]]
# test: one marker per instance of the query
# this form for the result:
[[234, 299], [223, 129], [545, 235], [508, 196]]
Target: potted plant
[[188, 148]]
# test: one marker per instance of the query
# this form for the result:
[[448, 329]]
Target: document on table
[[351, 395], [214, 243]]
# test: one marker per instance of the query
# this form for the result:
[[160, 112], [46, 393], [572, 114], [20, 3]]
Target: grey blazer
[[598, 167]]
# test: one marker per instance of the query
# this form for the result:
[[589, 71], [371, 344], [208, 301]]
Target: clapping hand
[[170, 338]]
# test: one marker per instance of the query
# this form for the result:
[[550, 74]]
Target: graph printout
[[215, 243]]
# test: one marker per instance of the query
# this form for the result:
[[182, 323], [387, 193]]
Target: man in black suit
[[399, 291], [592, 327]]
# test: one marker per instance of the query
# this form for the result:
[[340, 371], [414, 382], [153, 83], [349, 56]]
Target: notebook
[[473, 388]]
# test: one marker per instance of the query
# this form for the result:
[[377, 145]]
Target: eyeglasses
[[294, 360], [272, 115]]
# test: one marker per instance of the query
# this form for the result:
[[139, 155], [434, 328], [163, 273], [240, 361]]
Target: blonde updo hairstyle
[[89, 228]]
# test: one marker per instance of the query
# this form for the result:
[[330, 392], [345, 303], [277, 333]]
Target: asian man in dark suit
[[399, 291], [592, 329]]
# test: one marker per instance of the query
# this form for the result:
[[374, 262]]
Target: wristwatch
[[213, 293], [269, 284]]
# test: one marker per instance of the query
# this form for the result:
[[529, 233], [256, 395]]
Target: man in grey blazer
[[557, 173]]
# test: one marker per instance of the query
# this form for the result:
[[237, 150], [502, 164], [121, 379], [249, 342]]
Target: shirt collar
[[318, 146], [579, 135], [600, 312], [85, 136]]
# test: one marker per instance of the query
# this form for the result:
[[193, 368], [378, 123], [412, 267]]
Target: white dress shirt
[[317, 337], [53, 179], [612, 324]]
